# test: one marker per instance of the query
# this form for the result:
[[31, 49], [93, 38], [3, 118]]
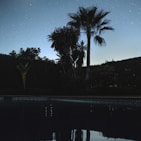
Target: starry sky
[[27, 23]]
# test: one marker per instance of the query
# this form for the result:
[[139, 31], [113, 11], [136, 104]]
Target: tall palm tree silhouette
[[93, 23]]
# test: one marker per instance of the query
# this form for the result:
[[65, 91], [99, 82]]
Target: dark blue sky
[[27, 23]]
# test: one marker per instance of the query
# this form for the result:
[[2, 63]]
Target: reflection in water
[[78, 135], [43, 119], [81, 135]]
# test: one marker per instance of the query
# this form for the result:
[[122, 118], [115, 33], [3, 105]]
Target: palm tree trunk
[[88, 50], [88, 57], [88, 135]]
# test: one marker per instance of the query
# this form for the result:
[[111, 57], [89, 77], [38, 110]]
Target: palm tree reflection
[[71, 135], [78, 135]]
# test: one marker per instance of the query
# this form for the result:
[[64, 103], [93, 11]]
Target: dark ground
[[72, 92]]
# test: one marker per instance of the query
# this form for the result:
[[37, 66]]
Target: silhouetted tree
[[92, 22], [25, 57], [65, 42], [28, 54]]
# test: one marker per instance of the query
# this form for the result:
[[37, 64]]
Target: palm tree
[[65, 43], [64, 39], [93, 23]]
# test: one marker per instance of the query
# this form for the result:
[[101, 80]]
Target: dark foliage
[[120, 74], [70, 52], [114, 77], [42, 75]]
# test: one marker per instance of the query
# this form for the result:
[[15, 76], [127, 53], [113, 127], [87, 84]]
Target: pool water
[[69, 119]]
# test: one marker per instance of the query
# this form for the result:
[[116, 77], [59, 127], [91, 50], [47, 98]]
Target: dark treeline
[[42, 74], [123, 74], [49, 76]]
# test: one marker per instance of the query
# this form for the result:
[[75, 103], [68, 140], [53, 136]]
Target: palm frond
[[82, 11], [105, 22], [99, 40], [99, 16], [102, 14], [105, 28]]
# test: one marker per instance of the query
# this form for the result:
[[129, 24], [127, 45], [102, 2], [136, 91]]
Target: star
[[30, 4], [130, 11], [131, 22]]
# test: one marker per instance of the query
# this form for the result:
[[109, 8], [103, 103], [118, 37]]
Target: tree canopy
[[28, 54], [92, 21], [65, 43]]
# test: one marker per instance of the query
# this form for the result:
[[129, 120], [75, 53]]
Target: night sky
[[27, 23]]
